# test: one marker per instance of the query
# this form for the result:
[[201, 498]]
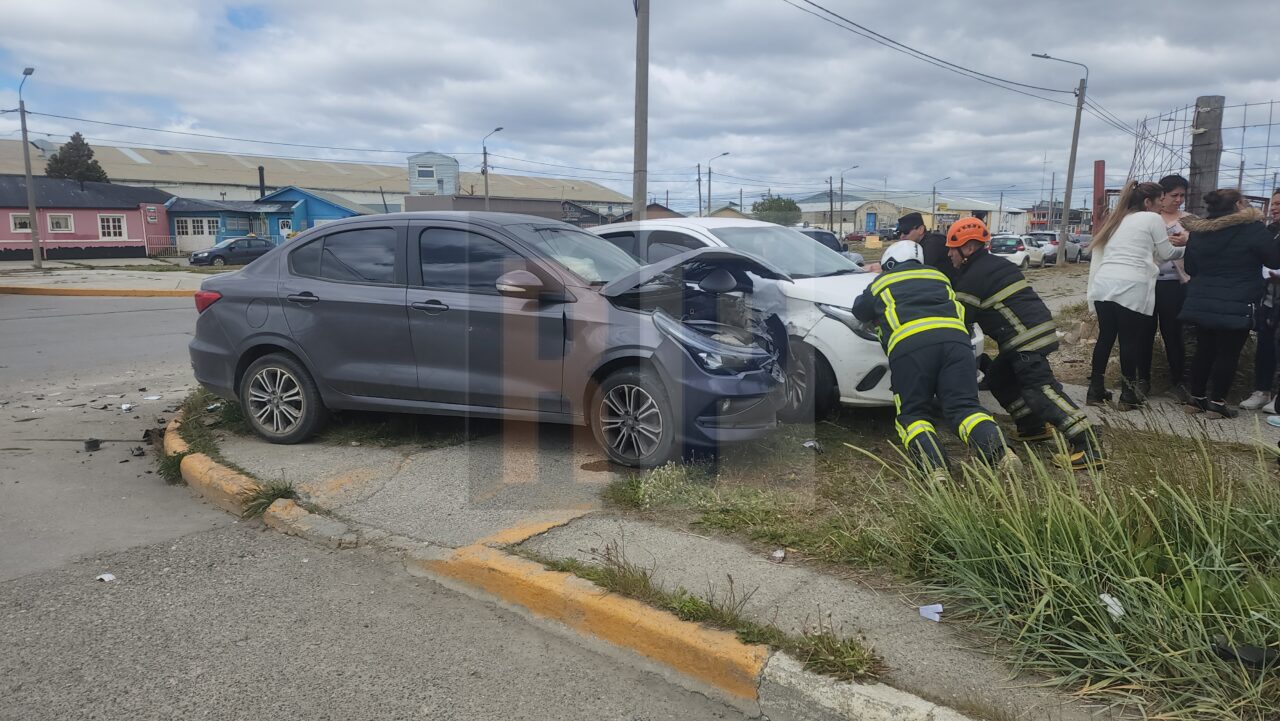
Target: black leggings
[[1217, 354], [1132, 328], [1169, 297]]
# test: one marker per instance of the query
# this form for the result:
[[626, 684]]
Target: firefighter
[[998, 298], [921, 326]]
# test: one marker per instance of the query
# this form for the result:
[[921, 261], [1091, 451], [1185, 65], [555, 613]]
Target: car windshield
[[789, 250], [1004, 244], [227, 242], [583, 253]]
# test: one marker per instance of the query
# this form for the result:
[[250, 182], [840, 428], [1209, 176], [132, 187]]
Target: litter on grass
[[1113, 606], [813, 445], [932, 612], [778, 556]]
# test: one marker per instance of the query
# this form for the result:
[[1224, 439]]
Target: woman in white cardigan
[[1126, 257]]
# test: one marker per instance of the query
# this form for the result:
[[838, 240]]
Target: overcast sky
[[792, 98]]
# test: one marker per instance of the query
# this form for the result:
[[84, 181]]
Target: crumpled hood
[[708, 258], [837, 290]]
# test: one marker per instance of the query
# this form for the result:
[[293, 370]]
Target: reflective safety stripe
[[1059, 401], [1045, 340], [1080, 425], [1005, 292], [968, 424], [969, 299], [921, 274], [1018, 409], [920, 325], [1030, 334], [916, 429], [1011, 317], [891, 309]]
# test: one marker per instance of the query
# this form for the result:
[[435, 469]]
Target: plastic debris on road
[[213, 407], [152, 398], [137, 451], [1113, 606], [778, 556], [932, 612], [127, 406], [106, 578], [92, 444]]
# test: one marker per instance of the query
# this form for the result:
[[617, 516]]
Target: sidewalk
[[60, 278]]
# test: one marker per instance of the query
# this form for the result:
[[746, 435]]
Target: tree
[[782, 211], [74, 160]]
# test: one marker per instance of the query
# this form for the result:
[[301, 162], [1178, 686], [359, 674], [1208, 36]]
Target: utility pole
[[740, 201], [1206, 150], [709, 181], [842, 172], [1000, 213], [1053, 185], [484, 165], [1240, 178], [700, 189], [933, 204], [1075, 143], [640, 164], [37, 260], [831, 206]]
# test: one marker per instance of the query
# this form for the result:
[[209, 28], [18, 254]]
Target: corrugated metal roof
[[145, 165], [62, 193]]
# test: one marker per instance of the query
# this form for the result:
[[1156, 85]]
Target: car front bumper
[[717, 409]]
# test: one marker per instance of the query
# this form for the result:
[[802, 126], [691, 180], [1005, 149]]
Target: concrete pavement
[[239, 623]]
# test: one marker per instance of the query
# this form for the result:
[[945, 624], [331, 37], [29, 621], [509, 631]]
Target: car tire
[[219, 260], [622, 407], [1026, 263], [816, 395], [280, 400]]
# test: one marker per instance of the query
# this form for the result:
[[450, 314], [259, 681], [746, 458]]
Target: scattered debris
[[142, 389], [153, 436], [813, 445], [106, 578], [124, 460], [127, 406], [92, 444], [213, 407], [355, 443], [152, 398], [1248, 654], [932, 612], [137, 451], [1113, 605], [778, 556]]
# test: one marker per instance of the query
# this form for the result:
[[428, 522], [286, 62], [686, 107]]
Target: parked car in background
[[495, 315], [1082, 241], [1053, 241], [834, 359], [1021, 250], [829, 240], [233, 251]]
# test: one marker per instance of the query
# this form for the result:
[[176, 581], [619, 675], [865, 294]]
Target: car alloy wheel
[[219, 261], [276, 401], [631, 421]]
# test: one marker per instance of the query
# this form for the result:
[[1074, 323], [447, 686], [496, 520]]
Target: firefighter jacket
[[912, 306], [998, 298]]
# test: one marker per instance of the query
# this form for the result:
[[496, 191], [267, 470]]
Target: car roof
[[686, 223]]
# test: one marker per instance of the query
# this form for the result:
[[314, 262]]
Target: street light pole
[[1075, 142], [709, 181], [36, 253], [842, 172], [484, 166], [640, 159], [933, 211]]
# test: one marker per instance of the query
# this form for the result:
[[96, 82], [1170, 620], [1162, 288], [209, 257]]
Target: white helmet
[[900, 252]]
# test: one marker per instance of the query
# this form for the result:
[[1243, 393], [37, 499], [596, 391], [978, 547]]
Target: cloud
[[792, 98]]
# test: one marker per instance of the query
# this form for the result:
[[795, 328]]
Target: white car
[[833, 357], [1021, 250]]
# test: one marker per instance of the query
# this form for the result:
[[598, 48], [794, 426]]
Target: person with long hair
[[1126, 254], [1225, 255]]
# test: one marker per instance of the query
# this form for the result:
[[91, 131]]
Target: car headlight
[[846, 316], [712, 355], [199, 255]]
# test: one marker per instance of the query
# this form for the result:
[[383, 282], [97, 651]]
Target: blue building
[[199, 224]]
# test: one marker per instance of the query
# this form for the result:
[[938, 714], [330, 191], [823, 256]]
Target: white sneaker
[[1256, 401]]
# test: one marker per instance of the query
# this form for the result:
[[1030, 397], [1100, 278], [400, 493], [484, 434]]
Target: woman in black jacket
[[1225, 257]]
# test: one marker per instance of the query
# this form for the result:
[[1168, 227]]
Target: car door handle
[[306, 298], [431, 306]]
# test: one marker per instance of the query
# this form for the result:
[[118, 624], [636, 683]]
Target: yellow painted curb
[[207, 478], [96, 292], [716, 658]]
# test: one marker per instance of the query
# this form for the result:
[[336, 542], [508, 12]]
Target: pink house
[[89, 220]]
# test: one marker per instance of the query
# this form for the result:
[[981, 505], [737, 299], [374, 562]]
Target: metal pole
[[1071, 167], [933, 207], [640, 164], [831, 207], [1000, 213], [1053, 187], [36, 253], [484, 170], [708, 188], [842, 207], [699, 189], [1240, 177]]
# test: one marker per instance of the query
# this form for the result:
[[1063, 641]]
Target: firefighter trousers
[[1024, 385], [948, 371]]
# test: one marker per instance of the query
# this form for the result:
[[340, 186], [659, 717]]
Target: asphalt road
[[210, 618]]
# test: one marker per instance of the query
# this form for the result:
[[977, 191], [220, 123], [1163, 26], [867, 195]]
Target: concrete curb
[[96, 292], [744, 674]]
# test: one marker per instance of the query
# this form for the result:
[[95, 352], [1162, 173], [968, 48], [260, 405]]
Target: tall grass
[[1188, 547]]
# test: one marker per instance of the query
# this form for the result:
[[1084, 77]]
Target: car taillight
[[1019, 246], [206, 298]]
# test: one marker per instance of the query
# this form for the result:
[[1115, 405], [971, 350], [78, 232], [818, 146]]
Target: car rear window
[[1004, 244], [364, 255]]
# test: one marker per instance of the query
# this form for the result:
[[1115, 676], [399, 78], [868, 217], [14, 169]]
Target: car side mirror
[[718, 281], [520, 284]]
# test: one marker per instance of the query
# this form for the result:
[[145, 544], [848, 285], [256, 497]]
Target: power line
[[918, 55]]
